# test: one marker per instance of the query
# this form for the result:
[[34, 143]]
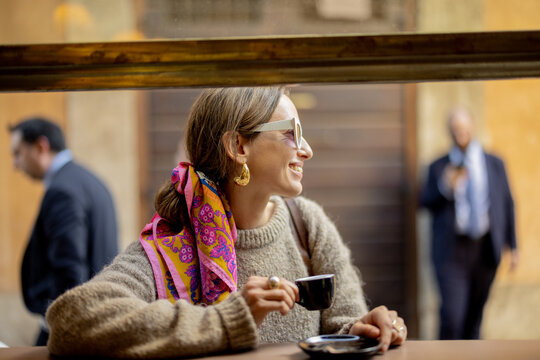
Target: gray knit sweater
[[116, 314]]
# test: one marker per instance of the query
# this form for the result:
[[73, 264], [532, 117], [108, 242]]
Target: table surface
[[414, 349]]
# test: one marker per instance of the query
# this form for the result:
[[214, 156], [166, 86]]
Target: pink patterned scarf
[[198, 264]]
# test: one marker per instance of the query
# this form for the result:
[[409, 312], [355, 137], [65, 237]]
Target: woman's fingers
[[264, 296], [383, 319], [278, 295], [383, 324], [283, 284], [367, 330], [273, 302], [291, 289], [399, 330]]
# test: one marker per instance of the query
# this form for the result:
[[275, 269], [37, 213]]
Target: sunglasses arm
[[276, 125]]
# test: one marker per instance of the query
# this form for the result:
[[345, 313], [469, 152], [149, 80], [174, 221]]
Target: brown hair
[[215, 112]]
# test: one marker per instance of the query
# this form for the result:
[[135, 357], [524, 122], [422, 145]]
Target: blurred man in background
[[75, 233], [468, 196]]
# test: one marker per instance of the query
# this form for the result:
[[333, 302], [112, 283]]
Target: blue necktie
[[473, 198]]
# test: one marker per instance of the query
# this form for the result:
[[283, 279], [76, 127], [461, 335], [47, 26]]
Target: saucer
[[339, 346]]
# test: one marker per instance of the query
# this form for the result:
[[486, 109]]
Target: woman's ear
[[235, 146]]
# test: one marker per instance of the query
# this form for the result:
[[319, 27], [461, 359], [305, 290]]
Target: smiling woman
[[210, 243], [91, 117]]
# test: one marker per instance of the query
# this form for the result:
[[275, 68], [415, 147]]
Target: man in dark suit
[[75, 233], [468, 196]]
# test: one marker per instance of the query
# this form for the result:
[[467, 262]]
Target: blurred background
[[372, 143]]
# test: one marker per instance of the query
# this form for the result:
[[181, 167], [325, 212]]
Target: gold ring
[[273, 282]]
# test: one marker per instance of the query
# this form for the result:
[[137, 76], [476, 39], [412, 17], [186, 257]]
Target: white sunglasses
[[288, 124]]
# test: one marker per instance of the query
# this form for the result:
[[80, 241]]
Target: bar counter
[[411, 350]]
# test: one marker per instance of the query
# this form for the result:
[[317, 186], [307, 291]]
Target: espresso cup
[[316, 292]]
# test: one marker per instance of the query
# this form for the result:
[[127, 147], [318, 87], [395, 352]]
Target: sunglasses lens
[[298, 134]]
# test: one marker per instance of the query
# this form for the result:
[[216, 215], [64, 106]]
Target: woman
[[167, 297]]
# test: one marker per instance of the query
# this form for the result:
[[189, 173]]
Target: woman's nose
[[305, 150]]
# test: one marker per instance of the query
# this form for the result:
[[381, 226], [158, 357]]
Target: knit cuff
[[238, 322]]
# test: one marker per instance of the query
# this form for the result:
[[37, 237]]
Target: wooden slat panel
[[376, 253], [370, 231], [357, 119], [380, 157], [351, 99], [169, 122], [351, 197], [164, 163], [172, 102], [386, 293], [164, 142], [359, 235], [382, 273], [339, 175], [355, 139], [361, 216]]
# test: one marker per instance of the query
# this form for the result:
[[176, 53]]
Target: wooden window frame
[[250, 61]]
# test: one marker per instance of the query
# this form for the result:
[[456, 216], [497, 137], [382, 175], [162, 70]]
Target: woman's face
[[275, 163]]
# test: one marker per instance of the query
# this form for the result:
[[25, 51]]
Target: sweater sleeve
[[116, 314], [329, 255]]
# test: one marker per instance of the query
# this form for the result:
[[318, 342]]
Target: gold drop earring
[[244, 177]]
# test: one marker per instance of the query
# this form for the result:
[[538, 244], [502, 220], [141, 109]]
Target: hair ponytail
[[171, 205]]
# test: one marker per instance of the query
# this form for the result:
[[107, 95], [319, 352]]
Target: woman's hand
[[382, 324], [261, 299]]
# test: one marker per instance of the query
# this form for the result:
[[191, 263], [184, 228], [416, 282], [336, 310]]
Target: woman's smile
[[297, 168]]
